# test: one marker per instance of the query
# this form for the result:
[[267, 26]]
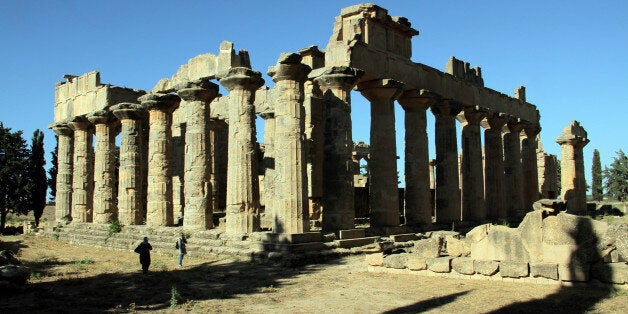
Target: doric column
[[83, 174], [447, 178], [494, 166], [573, 184], [242, 181], [159, 188], [291, 201], [195, 100], [338, 195], [529, 164], [383, 187], [513, 173], [269, 163], [219, 132], [418, 209], [130, 178], [105, 208], [63, 198], [471, 169]]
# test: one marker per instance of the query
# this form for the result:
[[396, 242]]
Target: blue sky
[[570, 55]]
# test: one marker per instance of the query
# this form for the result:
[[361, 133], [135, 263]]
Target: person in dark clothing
[[181, 246], [144, 251]]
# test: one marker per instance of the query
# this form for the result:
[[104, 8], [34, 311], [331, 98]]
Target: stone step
[[349, 243], [405, 237]]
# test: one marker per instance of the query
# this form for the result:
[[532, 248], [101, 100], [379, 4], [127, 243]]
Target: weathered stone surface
[[456, 248], [63, 199], [14, 273], [574, 272], [573, 185], [397, 261], [545, 270], [610, 272], [487, 268], [83, 171], [513, 269], [500, 243], [405, 237], [105, 208], [531, 229], [439, 264], [376, 259], [463, 265], [617, 236], [494, 165], [513, 176], [471, 170], [415, 262], [569, 238], [428, 248], [352, 234]]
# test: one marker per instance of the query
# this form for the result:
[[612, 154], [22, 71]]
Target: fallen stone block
[[616, 273], [415, 262], [574, 272], [486, 268], [352, 234], [456, 248], [349, 243], [545, 270], [463, 265], [439, 264], [376, 259], [428, 248], [404, 237], [514, 269], [397, 261]]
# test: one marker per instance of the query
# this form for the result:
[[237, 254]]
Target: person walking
[[181, 246], [144, 251]]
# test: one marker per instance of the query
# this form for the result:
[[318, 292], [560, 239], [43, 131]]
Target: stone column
[[196, 97], [83, 174], [338, 195], [471, 168], [242, 180], [573, 184], [418, 209], [494, 166], [219, 132], [130, 178], [63, 198], [513, 173], [159, 188], [447, 178], [269, 163], [383, 187], [105, 208], [529, 164], [291, 201]]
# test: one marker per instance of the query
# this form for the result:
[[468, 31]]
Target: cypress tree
[[52, 172], [37, 174], [596, 177]]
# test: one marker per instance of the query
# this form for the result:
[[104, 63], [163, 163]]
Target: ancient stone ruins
[[187, 153]]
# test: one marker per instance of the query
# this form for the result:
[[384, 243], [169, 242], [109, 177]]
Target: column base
[[242, 223], [335, 222]]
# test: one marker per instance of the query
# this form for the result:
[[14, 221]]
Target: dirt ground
[[73, 278]]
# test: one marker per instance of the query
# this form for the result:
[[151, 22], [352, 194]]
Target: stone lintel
[[128, 111], [242, 78], [340, 77], [162, 102], [61, 128], [381, 90], [289, 67]]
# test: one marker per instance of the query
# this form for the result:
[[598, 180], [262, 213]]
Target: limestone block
[[397, 261], [574, 272], [428, 248], [617, 237], [568, 237], [456, 248], [514, 269], [501, 243], [610, 272], [545, 270], [486, 268], [376, 259], [405, 237], [352, 234], [463, 265], [531, 229], [414, 262], [439, 264]]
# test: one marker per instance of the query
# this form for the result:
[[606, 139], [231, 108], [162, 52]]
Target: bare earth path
[[72, 278]]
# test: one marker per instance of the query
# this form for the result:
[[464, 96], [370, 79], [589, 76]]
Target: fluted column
[[383, 187], [130, 178], [105, 208], [196, 97], [338, 195], [159, 188], [447, 178], [513, 174], [418, 210], [573, 184], [218, 159], [269, 163], [291, 201], [63, 198], [83, 174], [494, 166], [530, 167], [471, 168], [242, 171]]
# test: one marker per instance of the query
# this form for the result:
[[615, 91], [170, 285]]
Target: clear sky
[[570, 55]]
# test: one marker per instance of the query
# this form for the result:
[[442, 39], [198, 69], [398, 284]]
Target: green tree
[[37, 175], [52, 172], [14, 181], [596, 177], [616, 177]]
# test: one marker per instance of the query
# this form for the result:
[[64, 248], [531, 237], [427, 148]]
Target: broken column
[[196, 98], [513, 174], [291, 201], [383, 187], [159, 187], [529, 165], [471, 170], [63, 198], [494, 165], [242, 180], [573, 185], [105, 208], [83, 174]]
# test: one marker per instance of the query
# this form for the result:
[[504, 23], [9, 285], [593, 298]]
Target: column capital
[[158, 101], [241, 78], [472, 115], [417, 100], [101, 117], [446, 108], [202, 90], [340, 77], [494, 121], [514, 124], [381, 89], [79, 123], [289, 67], [531, 129], [128, 111], [61, 128]]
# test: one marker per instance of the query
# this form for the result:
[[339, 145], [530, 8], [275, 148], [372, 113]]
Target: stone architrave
[[338, 195], [383, 187], [63, 198], [242, 171], [83, 174], [494, 166], [418, 210], [105, 207], [573, 184], [447, 201], [513, 173], [471, 169], [195, 100], [529, 165], [130, 178], [159, 187], [291, 192]]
